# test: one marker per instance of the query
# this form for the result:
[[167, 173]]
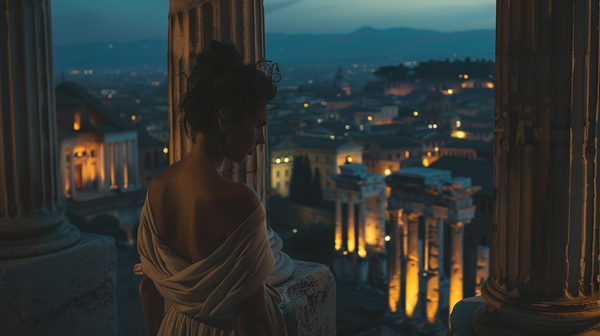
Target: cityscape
[[398, 201]]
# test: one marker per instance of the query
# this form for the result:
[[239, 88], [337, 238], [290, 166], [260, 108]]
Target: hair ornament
[[271, 70]]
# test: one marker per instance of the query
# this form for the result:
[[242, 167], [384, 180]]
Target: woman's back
[[195, 214]]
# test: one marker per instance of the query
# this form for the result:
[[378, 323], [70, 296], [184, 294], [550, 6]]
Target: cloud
[[272, 7]]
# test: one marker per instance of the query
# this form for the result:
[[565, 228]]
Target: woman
[[202, 239]]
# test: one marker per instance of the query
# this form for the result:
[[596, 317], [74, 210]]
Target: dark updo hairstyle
[[220, 83]]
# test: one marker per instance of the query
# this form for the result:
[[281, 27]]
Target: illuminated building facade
[[98, 155], [325, 153]]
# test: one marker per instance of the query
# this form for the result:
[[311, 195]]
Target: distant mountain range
[[394, 44]]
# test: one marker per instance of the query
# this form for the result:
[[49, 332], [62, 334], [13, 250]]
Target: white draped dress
[[201, 297]]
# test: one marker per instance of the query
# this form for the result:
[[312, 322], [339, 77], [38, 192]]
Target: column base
[[44, 241], [501, 315], [363, 270]]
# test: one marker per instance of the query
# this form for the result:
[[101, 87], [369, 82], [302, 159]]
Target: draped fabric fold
[[201, 297]]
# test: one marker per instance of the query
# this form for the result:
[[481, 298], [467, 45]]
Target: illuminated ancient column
[[412, 267], [545, 268], [482, 270], [362, 218], [395, 281], [32, 218], [338, 221], [350, 233], [456, 263], [433, 272]]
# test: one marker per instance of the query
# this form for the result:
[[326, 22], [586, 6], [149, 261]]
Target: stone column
[[125, 154], [136, 163], [350, 233], [51, 276], [32, 218], [338, 221], [363, 260], [121, 171], [482, 270], [192, 24], [395, 280], [433, 272], [456, 263], [412, 267], [545, 268]]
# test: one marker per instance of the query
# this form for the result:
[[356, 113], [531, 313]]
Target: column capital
[[457, 227], [413, 216]]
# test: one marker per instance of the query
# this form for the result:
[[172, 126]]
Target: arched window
[[148, 160]]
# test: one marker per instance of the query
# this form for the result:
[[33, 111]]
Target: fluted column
[[338, 221], [457, 231], [395, 281], [32, 218], [350, 234], [545, 268], [433, 272], [412, 267], [192, 24]]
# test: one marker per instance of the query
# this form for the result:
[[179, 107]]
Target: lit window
[[407, 154]]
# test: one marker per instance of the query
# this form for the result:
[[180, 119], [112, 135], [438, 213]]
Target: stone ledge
[[309, 298], [460, 319], [68, 292]]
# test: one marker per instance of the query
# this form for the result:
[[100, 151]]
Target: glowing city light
[[458, 123], [415, 113], [425, 162], [430, 126], [460, 76], [305, 104], [137, 101], [428, 153], [345, 252], [286, 159], [369, 118], [294, 231], [434, 125], [458, 134], [133, 117], [349, 159], [347, 126], [466, 76], [310, 81], [110, 96], [406, 154], [450, 90], [165, 150], [388, 171], [437, 149], [490, 85], [339, 94], [332, 137], [278, 160], [387, 238]]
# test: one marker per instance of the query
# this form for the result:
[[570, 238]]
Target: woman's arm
[[153, 306]]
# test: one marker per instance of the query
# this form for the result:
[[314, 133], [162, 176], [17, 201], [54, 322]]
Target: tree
[[295, 179], [317, 191]]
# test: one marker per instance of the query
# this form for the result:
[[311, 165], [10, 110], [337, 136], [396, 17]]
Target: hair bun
[[225, 56]]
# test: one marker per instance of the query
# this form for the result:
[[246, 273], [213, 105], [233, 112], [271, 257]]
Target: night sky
[[80, 21]]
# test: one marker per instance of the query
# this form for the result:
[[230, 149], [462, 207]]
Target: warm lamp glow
[[110, 96], [305, 104], [466, 76], [428, 153], [388, 171], [437, 149], [415, 113], [286, 159], [387, 238], [349, 159], [407, 154], [347, 126], [362, 252], [165, 150], [458, 123], [345, 252], [425, 162], [458, 134], [369, 118], [430, 126], [490, 85], [278, 160], [332, 137], [450, 90], [133, 117], [77, 120], [295, 231]]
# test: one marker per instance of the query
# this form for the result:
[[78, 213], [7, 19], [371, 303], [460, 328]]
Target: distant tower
[[340, 82]]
